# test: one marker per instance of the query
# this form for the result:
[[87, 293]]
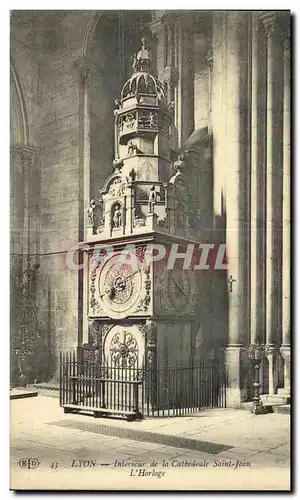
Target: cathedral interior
[[136, 127]]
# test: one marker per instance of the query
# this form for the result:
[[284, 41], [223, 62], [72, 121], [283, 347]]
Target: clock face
[[119, 287], [179, 290]]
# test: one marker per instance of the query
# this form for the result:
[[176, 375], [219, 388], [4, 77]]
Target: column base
[[285, 351], [272, 358], [237, 369]]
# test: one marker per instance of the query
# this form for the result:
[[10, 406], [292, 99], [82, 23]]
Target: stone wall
[[67, 64]]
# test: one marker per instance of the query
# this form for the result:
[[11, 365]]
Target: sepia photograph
[[150, 250]]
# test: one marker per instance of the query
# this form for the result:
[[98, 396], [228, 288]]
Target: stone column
[[286, 238], [150, 332], [233, 141], [185, 89], [273, 177], [16, 218], [83, 333], [218, 124], [85, 67], [210, 60], [16, 202], [257, 228], [274, 191], [27, 159], [84, 141]]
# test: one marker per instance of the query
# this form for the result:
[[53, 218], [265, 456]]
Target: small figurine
[[179, 163], [91, 212], [171, 106], [132, 174], [134, 62], [118, 164], [117, 106], [151, 120], [117, 217], [152, 198], [160, 95], [132, 148]]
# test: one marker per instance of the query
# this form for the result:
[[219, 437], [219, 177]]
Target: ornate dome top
[[142, 82]]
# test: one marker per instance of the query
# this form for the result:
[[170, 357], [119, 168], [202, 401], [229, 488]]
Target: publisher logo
[[28, 463]]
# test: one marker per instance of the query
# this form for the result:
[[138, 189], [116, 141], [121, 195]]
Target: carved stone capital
[[27, 155], [155, 26], [285, 351], [170, 75], [85, 73], [86, 67], [272, 23]]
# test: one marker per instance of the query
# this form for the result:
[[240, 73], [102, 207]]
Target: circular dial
[[179, 290], [124, 347], [119, 286]]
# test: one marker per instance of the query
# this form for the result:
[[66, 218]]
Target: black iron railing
[[121, 388]]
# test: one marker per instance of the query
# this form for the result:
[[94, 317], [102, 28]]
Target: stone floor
[[213, 450]]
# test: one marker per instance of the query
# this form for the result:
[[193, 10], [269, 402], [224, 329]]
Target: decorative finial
[[142, 61], [117, 106], [152, 198], [118, 164]]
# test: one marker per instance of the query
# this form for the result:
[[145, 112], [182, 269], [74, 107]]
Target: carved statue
[[171, 106], [132, 148], [118, 164], [134, 62], [91, 212], [117, 106], [151, 120], [179, 163], [160, 95], [117, 217], [152, 198], [132, 174]]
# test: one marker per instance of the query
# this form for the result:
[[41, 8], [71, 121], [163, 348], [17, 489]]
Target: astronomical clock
[[119, 289], [139, 310]]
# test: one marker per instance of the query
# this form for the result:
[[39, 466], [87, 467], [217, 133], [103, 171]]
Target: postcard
[[150, 250]]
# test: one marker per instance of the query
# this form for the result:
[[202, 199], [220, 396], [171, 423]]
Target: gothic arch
[[89, 31], [18, 111]]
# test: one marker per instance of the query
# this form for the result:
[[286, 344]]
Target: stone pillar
[[16, 219], [16, 202], [218, 123], [258, 136], [210, 60], [286, 354], [274, 179], [27, 159], [85, 68], [272, 358], [150, 332], [84, 141], [233, 141], [286, 238], [185, 89], [83, 333]]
